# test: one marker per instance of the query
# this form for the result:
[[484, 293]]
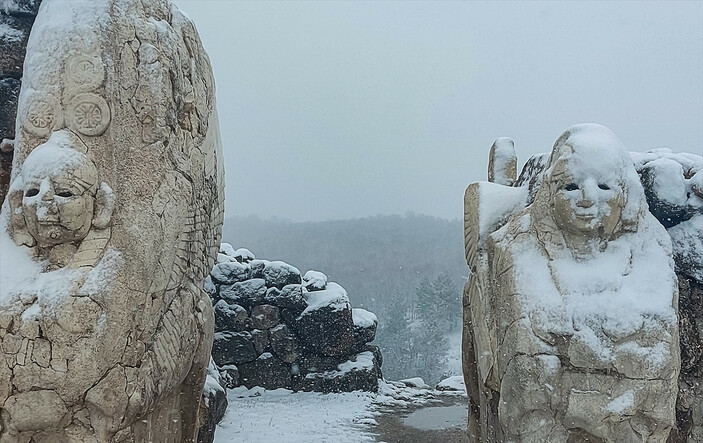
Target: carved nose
[[585, 202], [48, 195]]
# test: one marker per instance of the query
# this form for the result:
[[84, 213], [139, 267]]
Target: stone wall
[[277, 329]]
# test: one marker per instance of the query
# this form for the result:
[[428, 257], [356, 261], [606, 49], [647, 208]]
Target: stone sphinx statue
[[570, 321], [112, 221]]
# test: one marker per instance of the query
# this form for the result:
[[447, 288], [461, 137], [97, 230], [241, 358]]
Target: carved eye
[[65, 194], [571, 187], [604, 187], [32, 192]]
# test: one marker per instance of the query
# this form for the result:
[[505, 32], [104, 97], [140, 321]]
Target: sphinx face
[[585, 201], [57, 209]]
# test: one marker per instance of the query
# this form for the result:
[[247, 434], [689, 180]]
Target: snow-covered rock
[[279, 274], [415, 382], [229, 272], [326, 326], [360, 373], [314, 281], [245, 293], [365, 325], [454, 383], [243, 255], [214, 404]]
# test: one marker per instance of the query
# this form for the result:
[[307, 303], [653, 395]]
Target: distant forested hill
[[381, 262], [369, 257]]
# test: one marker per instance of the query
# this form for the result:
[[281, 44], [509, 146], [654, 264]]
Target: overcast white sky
[[334, 110]]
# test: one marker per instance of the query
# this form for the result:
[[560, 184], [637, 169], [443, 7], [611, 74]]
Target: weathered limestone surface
[[570, 325], [112, 221]]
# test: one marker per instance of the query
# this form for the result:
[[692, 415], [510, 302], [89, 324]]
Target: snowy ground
[[256, 415]]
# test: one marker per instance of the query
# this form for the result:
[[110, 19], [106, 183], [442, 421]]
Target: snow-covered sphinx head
[[57, 198], [590, 191]]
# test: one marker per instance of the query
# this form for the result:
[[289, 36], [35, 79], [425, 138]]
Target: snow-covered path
[[257, 415], [260, 416]]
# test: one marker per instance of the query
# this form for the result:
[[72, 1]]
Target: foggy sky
[[334, 110]]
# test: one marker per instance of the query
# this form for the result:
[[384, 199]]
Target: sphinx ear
[[104, 204]]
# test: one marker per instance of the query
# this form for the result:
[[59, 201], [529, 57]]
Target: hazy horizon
[[338, 110]]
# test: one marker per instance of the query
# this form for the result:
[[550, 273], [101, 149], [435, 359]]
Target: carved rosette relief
[[42, 114], [85, 72], [88, 114]]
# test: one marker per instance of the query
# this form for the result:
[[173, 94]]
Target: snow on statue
[[570, 324], [112, 221]]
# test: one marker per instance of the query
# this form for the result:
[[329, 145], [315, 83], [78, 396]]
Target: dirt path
[[441, 420]]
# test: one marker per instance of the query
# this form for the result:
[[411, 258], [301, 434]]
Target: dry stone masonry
[[570, 313], [111, 223], [276, 329]]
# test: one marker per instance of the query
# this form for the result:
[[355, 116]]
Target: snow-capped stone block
[[265, 316], [267, 371], [326, 326], [365, 325], [666, 189], [227, 273], [233, 348], [454, 383], [360, 373], [246, 293], [243, 255], [279, 274], [415, 382], [227, 249], [222, 258], [231, 317], [290, 298], [230, 376], [257, 268], [314, 281], [284, 343]]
